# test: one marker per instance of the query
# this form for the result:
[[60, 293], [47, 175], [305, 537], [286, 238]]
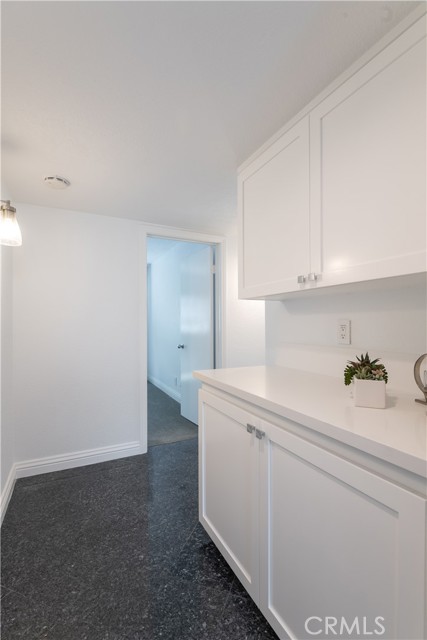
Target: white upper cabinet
[[340, 197], [275, 216], [368, 169]]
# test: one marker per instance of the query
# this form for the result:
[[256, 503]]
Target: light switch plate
[[344, 332]]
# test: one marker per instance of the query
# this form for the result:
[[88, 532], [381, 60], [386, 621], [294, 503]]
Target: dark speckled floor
[[165, 422], [114, 551]]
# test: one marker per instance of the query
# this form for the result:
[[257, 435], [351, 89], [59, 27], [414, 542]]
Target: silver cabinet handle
[[301, 279], [312, 277], [259, 434], [250, 428], [180, 346]]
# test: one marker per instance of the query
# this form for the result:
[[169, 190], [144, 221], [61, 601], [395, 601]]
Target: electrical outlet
[[344, 332], [176, 382]]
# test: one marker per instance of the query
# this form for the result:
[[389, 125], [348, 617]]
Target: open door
[[197, 325]]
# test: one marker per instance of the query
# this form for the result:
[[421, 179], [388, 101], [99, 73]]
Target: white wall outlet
[[344, 332], [176, 382]]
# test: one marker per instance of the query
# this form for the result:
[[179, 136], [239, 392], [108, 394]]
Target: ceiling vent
[[56, 182]]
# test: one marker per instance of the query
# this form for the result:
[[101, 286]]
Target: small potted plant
[[369, 379]]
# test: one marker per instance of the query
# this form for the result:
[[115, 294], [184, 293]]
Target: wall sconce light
[[10, 233]]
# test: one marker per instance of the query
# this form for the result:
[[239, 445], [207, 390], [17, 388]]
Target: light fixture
[[10, 233], [56, 182]]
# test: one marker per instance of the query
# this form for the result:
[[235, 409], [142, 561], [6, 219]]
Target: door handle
[[180, 346]]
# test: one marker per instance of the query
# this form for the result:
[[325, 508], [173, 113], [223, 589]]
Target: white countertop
[[397, 434]]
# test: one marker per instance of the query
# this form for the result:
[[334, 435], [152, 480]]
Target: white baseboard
[[173, 393], [76, 459], [64, 461], [7, 492]]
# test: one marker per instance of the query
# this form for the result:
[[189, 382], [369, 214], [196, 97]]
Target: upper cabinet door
[[368, 168], [275, 216]]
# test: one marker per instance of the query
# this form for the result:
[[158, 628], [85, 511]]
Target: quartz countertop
[[396, 434]]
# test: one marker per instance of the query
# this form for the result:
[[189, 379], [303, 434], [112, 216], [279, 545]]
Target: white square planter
[[369, 393]]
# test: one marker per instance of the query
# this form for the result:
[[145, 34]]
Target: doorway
[[182, 332]]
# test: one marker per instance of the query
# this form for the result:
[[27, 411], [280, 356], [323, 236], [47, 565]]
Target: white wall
[[7, 435], [76, 336], [77, 354], [389, 323], [164, 332], [245, 319]]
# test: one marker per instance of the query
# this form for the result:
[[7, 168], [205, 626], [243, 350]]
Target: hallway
[[165, 423]]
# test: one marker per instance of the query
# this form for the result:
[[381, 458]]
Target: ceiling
[[148, 108]]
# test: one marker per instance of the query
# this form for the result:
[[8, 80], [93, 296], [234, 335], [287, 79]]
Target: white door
[[197, 325]]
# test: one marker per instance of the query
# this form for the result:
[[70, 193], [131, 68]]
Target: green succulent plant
[[364, 368]]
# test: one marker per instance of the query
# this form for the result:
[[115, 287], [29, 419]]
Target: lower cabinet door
[[228, 485], [342, 551]]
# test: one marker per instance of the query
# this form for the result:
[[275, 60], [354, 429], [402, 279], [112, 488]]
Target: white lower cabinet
[[325, 547]]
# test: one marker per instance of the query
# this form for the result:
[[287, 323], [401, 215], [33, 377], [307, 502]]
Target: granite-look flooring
[[114, 551], [165, 422]]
